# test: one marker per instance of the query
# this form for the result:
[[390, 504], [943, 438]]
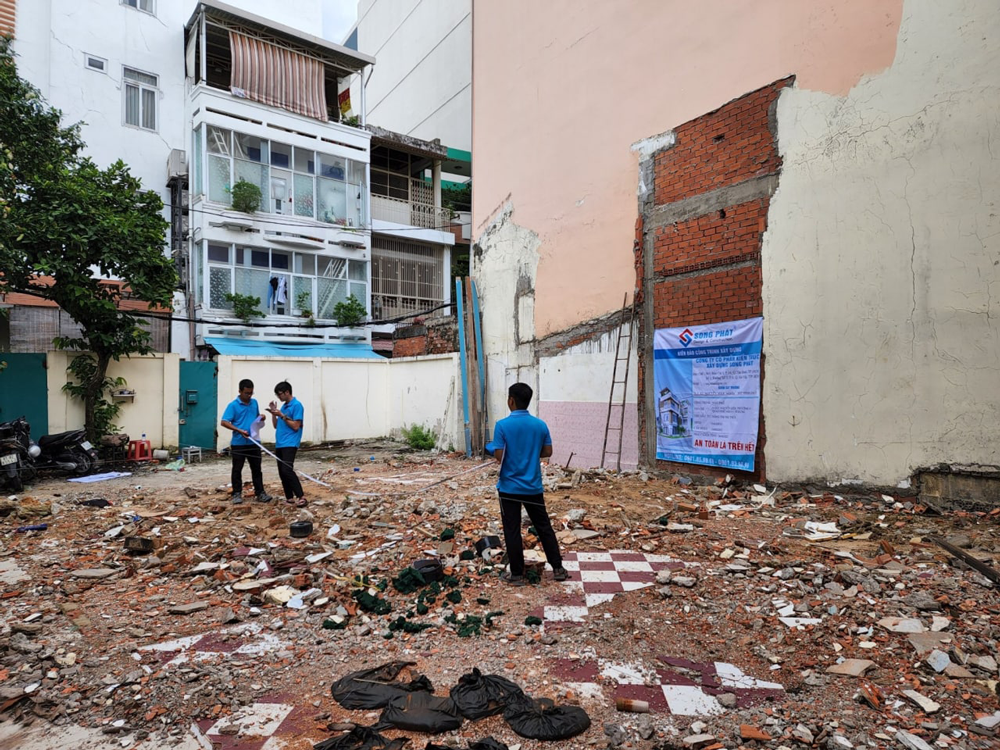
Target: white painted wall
[[350, 399], [421, 84], [156, 380], [881, 280]]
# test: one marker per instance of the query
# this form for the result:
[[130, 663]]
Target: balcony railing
[[413, 214]]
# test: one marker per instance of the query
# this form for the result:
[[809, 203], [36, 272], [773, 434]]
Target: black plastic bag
[[543, 720], [487, 743], [478, 696], [375, 688], [421, 712], [361, 738]]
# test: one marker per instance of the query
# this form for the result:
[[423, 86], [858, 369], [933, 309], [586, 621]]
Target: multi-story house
[[262, 108], [195, 97]]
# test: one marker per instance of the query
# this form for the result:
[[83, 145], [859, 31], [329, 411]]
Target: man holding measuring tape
[[240, 416]]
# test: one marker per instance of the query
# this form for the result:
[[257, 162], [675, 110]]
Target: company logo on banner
[[708, 393]]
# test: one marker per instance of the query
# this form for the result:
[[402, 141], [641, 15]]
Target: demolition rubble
[[148, 608]]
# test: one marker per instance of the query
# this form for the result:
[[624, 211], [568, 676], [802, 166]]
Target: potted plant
[[302, 302], [246, 196], [350, 313], [245, 306]]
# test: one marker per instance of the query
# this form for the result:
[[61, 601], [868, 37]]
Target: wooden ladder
[[624, 332]]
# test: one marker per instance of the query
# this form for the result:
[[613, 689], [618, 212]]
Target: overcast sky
[[338, 17]]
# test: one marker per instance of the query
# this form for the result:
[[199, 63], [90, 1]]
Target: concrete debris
[[231, 625]]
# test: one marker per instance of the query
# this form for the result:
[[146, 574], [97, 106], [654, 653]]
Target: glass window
[[255, 174], [140, 94], [304, 188], [332, 167], [254, 283], [218, 140], [218, 179], [305, 161], [356, 172], [281, 191], [220, 283], [250, 148], [332, 199], [198, 185], [260, 259], [305, 264], [302, 293], [279, 260], [328, 293], [144, 5], [281, 155], [218, 253], [357, 270]]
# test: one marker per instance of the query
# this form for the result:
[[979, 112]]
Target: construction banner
[[707, 382]]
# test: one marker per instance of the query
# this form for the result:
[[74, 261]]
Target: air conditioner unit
[[177, 164]]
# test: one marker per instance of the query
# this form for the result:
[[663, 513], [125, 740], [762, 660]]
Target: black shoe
[[263, 497], [560, 574], [513, 580], [237, 499]]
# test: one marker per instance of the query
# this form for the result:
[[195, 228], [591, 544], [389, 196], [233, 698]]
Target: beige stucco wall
[[155, 378], [882, 261], [563, 87]]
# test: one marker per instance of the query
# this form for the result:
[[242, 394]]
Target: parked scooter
[[16, 463], [21, 458]]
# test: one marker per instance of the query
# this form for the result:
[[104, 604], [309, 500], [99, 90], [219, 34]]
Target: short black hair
[[246, 383], [283, 387], [521, 393]]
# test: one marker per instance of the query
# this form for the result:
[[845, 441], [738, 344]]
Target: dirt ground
[[708, 602]]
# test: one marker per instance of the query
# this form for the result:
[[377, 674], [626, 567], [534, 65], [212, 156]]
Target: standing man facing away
[[287, 423], [519, 443], [239, 416]]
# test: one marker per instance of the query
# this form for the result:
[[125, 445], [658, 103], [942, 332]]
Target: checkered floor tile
[[268, 724], [240, 641], [596, 577], [675, 686]]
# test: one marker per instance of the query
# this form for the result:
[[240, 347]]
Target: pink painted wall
[[577, 429], [562, 88]]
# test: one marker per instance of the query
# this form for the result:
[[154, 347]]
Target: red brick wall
[[410, 347], [707, 269], [729, 234], [729, 145]]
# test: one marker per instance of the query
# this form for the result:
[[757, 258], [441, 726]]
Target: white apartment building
[[185, 93]]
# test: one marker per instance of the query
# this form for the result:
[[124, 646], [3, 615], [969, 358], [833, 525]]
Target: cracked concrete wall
[[506, 260], [882, 261]]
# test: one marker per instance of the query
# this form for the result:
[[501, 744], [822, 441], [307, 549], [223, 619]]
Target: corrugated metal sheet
[[8, 16]]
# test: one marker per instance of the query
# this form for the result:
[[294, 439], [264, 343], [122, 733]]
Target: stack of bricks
[[708, 215]]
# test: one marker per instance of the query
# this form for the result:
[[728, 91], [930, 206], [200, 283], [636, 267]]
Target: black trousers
[[289, 479], [510, 512], [246, 454]]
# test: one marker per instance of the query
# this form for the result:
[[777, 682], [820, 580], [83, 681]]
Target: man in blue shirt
[[519, 443], [287, 422], [239, 416]]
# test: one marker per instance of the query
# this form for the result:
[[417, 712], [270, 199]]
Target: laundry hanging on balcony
[[276, 76]]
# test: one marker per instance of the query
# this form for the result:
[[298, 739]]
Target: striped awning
[[276, 76]]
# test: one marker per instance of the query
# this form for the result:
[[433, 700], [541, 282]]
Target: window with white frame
[[140, 90], [146, 6], [292, 180], [285, 282], [95, 63]]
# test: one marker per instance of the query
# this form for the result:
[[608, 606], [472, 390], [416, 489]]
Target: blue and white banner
[[708, 393]]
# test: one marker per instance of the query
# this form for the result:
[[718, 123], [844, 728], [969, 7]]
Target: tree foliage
[[66, 223]]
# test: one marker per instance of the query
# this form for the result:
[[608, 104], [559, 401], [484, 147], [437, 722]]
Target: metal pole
[[480, 359]]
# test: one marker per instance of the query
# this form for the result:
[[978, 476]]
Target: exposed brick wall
[[732, 144], [410, 347], [707, 268], [728, 234], [709, 297]]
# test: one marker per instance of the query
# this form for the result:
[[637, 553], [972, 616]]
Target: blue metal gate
[[199, 395], [24, 390]]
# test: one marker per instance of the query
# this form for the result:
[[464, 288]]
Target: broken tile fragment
[[851, 667], [937, 660], [902, 625], [186, 609], [94, 573], [926, 704], [911, 741]]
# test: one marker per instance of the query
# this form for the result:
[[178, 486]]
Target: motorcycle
[[21, 458]]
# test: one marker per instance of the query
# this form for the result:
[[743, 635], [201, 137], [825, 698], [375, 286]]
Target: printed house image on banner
[[672, 418]]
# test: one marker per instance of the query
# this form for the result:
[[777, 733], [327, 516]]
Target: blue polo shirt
[[522, 438], [241, 415], [285, 436]]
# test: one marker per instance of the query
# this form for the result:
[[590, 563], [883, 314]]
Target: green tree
[[65, 218]]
